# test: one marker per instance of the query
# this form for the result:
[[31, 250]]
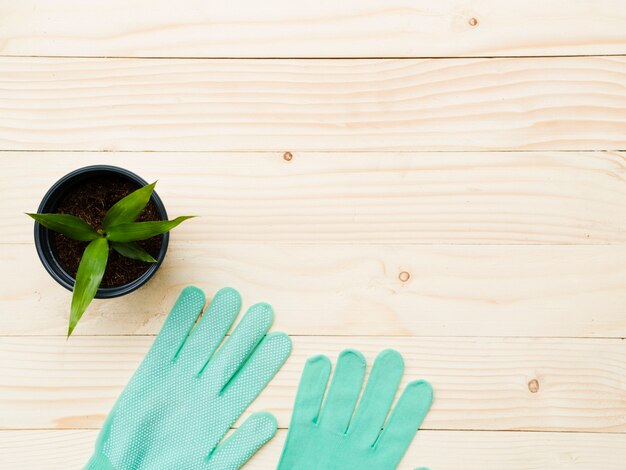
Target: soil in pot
[[90, 200]]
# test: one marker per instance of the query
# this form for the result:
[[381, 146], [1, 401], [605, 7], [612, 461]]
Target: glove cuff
[[99, 462]]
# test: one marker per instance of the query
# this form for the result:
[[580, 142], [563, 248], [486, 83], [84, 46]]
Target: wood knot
[[404, 276], [473, 22], [287, 156], [533, 386]]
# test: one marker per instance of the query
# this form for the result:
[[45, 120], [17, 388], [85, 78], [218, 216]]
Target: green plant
[[119, 231]]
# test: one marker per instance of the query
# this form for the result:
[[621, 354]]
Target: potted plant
[[102, 232]]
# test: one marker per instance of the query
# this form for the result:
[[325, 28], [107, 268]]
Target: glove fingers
[[405, 419], [311, 390], [211, 329], [179, 323], [378, 396], [258, 370], [235, 351], [344, 391], [240, 446]]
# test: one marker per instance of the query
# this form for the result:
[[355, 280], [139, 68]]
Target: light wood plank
[[432, 197], [345, 290], [326, 28], [480, 383], [460, 104], [441, 450]]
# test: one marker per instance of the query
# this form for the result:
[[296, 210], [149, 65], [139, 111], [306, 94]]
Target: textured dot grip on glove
[[99, 462], [244, 442], [189, 391], [333, 436]]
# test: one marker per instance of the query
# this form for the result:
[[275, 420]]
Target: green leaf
[[133, 251], [128, 208], [68, 225], [142, 230], [90, 272]]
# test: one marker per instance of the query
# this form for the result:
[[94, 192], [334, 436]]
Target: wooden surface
[[63, 385], [563, 103], [325, 28], [460, 290], [484, 198], [455, 189], [481, 450]]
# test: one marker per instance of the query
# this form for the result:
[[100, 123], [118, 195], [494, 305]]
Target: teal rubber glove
[[185, 396], [338, 438]]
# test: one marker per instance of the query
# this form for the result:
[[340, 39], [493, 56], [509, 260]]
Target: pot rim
[[42, 240]]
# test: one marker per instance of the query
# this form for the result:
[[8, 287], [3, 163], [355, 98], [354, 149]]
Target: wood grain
[[576, 103], [352, 289], [377, 197], [464, 205], [441, 450], [480, 383], [326, 28]]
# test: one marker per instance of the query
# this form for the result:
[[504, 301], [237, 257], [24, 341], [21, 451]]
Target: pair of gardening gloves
[[189, 391]]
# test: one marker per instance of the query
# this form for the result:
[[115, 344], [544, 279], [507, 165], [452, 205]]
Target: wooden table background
[[456, 190]]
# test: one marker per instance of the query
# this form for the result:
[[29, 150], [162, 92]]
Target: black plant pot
[[49, 204]]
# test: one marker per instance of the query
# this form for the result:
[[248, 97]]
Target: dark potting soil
[[90, 200]]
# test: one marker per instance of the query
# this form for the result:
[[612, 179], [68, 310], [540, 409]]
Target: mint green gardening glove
[[334, 439], [185, 396]]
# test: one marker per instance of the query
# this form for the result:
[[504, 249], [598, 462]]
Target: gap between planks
[[173, 58]]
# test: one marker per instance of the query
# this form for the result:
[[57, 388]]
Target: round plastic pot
[[49, 204]]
